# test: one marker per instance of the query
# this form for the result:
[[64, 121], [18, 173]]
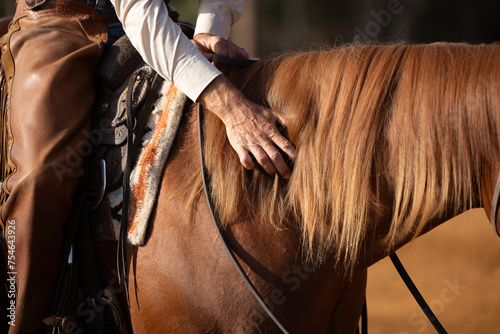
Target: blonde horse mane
[[399, 131]]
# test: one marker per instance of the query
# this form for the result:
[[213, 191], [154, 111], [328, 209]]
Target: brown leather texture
[[32, 4], [53, 53], [88, 17]]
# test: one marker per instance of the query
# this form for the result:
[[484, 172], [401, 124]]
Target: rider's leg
[[53, 90]]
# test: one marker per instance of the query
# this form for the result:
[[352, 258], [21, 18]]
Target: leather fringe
[[6, 77]]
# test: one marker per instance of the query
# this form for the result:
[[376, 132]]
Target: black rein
[[215, 220]]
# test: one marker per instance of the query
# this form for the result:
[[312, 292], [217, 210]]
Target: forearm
[[163, 46]]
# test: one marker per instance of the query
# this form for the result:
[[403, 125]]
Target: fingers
[[270, 159], [273, 152], [218, 45], [282, 155], [242, 53], [225, 47], [288, 151]]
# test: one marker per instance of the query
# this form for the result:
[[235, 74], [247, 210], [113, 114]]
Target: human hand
[[250, 128], [209, 44]]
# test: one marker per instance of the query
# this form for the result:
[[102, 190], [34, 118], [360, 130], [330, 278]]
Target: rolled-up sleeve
[[216, 17], [163, 46]]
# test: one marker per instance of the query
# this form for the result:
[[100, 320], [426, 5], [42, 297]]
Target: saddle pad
[[145, 179]]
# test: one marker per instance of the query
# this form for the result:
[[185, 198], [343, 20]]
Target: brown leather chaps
[[49, 55]]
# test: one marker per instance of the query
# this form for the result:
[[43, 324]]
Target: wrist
[[220, 96]]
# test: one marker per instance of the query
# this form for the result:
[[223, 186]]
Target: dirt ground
[[456, 267]]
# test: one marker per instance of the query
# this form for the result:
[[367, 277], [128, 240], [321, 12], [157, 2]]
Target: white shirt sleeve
[[216, 17], [165, 48]]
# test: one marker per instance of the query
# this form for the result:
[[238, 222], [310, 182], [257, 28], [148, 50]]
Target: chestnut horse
[[392, 141]]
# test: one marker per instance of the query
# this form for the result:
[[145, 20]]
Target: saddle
[[127, 88], [119, 86], [122, 75]]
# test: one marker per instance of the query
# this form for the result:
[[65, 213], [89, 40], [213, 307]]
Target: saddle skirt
[[146, 175], [156, 106], [145, 179]]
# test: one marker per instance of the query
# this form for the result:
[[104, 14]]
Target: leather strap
[[134, 135], [228, 249], [416, 294], [66, 276], [121, 258]]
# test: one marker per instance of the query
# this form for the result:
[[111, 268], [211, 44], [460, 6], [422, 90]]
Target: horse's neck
[[373, 247]]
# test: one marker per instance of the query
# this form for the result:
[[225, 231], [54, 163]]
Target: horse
[[393, 140]]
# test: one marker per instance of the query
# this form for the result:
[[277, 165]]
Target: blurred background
[[457, 265], [274, 25]]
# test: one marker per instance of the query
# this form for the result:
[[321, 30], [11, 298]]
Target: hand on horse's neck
[[250, 128]]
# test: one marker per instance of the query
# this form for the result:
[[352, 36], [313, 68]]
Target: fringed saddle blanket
[[145, 180]]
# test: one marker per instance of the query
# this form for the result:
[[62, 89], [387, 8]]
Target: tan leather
[[52, 93], [32, 4], [88, 17]]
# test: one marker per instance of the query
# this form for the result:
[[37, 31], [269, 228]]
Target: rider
[[49, 58]]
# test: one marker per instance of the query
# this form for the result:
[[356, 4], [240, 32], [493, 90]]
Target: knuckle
[[274, 155], [269, 128], [265, 163], [260, 137], [285, 143], [247, 162], [261, 158]]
